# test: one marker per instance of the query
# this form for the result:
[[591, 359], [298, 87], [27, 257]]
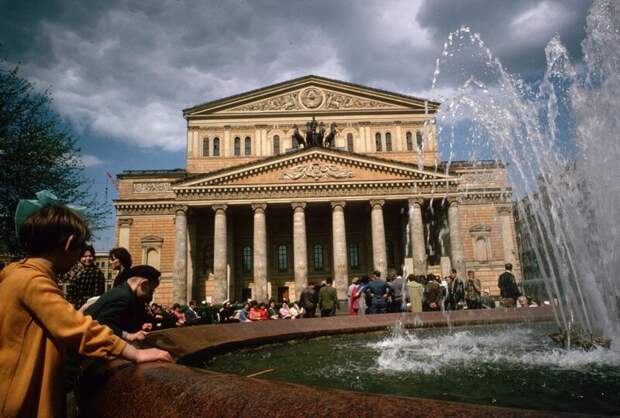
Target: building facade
[[256, 214]]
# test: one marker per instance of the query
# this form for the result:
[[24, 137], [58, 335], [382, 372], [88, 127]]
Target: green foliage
[[37, 151]]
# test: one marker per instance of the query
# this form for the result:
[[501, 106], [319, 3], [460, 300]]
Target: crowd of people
[[91, 322]]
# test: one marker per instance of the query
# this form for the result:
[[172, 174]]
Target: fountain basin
[[121, 389]]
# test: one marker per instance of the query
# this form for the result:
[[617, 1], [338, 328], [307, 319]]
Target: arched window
[[282, 258], [378, 141], [216, 147], [246, 259], [317, 257], [205, 147], [350, 142], [409, 138], [248, 145], [276, 144], [237, 146], [420, 140], [388, 141], [354, 256]]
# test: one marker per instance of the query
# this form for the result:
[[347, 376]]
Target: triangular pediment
[[312, 95], [315, 166]]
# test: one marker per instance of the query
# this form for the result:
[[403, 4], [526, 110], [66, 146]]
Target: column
[[456, 239], [505, 213], [179, 280], [219, 254], [300, 251], [416, 229], [339, 242], [124, 226], [259, 256], [379, 252]]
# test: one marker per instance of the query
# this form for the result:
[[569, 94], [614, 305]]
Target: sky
[[120, 72]]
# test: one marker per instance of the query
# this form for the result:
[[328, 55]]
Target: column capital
[[298, 205], [259, 207], [377, 202], [416, 201], [180, 208], [338, 204], [219, 207], [125, 222], [454, 200], [504, 210]]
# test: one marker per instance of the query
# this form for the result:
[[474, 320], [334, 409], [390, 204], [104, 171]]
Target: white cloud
[[89, 161], [540, 22]]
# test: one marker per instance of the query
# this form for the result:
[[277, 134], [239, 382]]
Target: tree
[[37, 151]]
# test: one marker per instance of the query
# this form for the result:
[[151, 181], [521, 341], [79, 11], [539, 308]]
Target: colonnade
[[300, 251]]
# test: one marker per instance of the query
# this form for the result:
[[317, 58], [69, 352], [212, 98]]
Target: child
[[36, 322]]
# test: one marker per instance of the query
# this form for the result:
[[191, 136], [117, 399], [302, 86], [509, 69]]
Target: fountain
[[560, 139]]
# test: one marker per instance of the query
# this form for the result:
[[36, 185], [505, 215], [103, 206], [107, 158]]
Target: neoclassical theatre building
[[272, 199]]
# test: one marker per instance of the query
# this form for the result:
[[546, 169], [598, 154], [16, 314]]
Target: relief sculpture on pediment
[[312, 98], [317, 171]]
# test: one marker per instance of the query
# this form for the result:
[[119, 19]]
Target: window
[[276, 144], [420, 140], [317, 257], [246, 259], [248, 145], [350, 142], [282, 258], [205, 147], [354, 256], [388, 141], [216, 147], [390, 254], [237, 146], [152, 257], [409, 141], [378, 141]]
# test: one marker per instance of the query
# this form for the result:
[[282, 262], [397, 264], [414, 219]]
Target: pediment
[[315, 166], [312, 94]]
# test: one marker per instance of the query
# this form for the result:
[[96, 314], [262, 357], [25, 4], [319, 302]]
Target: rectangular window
[[247, 259], [390, 254], [317, 257], [282, 254], [205, 147], [354, 256]]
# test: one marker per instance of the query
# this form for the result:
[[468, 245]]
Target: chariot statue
[[315, 135]]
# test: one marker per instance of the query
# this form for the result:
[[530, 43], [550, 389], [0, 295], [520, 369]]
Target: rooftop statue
[[315, 135]]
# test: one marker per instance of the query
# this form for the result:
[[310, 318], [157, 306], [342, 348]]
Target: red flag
[[112, 180]]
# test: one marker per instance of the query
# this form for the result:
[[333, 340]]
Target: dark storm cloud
[[124, 70]]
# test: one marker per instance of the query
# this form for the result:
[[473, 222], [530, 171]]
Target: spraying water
[[560, 140]]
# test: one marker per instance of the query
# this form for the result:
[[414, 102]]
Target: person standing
[[379, 292], [328, 299], [396, 288], [456, 291], [415, 289], [472, 291], [508, 289], [120, 260], [308, 300], [86, 280], [433, 293]]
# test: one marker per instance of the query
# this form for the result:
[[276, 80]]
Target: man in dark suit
[[122, 308], [508, 289]]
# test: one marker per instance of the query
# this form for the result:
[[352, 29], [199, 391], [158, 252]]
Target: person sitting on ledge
[[121, 307], [263, 314], [244, 313], [37, 323], [254, 312], [285, 312], [273, 311]]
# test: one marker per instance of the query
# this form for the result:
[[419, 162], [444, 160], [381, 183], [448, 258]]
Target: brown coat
[[36, 325]]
